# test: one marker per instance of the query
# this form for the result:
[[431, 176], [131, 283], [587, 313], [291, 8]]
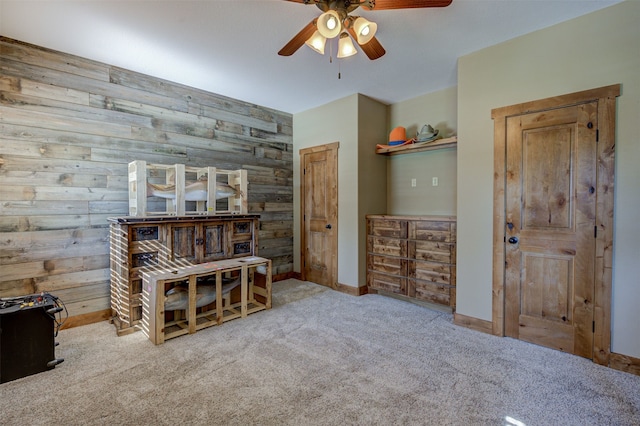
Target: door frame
[[334, 243], [606, 98]]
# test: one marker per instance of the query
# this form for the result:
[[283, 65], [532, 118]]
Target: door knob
[[513, 240], [328, 226]]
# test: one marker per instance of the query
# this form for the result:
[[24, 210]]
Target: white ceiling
[[229, 47]]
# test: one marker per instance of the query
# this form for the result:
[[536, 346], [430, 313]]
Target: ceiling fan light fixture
[[365, 30], [345, 46], [317, 42], [329, 24]]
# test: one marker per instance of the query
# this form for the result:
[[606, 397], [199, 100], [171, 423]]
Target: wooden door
[[550, 222], [183, 239], [554, 163], [319, 207], [214, 244]]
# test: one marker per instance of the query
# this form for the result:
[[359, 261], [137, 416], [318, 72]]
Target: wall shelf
[[419, 147]]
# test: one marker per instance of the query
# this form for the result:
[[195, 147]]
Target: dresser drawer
[[387, 246], [432, 250], [145, 233], [241, 230], [430, 231], [387, 228], [389, 283], [431, 292], [430, 271], [387, 264]]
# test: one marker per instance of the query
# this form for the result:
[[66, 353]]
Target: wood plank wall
[[69, 127]]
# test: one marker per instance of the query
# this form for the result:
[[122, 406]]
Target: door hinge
[[304, 171], [595, 232], [597, 135], [593, 326]]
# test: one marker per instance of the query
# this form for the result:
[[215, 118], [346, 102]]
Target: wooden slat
[[604, 238], [43, 150], [62, 122], [10, 67], [473, 323], [23, 208], [53, 193], [51, 59], [69, 109], [43, 222], [66, 281], [625, 363]]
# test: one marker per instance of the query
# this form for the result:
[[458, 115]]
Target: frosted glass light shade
[[345, 46], [329, 24], [365, 30], [317, 42]]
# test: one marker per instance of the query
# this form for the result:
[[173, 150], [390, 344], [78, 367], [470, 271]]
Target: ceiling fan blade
[[298, 40], [373, 49], [404, 4]]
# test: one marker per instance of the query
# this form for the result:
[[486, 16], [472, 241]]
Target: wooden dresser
[[145, 244], [413, 256]]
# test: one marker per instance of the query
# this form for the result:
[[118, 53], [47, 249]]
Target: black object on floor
[[27, 336]]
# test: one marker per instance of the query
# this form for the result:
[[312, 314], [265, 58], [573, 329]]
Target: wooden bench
[[252, 294]]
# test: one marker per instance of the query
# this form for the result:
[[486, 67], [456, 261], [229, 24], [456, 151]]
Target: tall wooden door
[[550, 227], [319, 207], [554, 168]]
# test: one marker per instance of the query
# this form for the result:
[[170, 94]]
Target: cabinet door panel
[[214, 241], [183, 241]]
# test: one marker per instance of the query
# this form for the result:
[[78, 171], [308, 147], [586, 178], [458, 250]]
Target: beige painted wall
[[440, 110], [343, 121], [595, 50], [372, 172]]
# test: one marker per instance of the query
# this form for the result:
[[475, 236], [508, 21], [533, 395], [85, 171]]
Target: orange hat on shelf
[[397, 137]]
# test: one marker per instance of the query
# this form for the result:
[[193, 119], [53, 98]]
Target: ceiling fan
[[336, 21]]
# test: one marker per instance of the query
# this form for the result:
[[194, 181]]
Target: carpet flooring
[[319, 357]]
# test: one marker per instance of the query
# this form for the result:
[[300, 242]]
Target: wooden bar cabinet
[[146, 244]]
